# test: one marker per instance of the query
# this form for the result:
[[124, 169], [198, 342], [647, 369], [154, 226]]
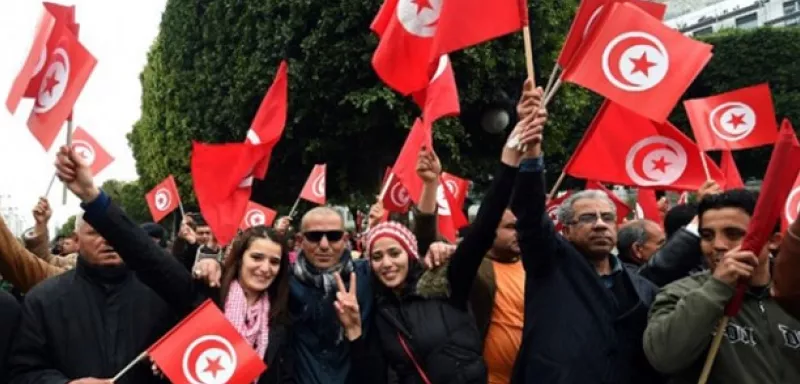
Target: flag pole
[[712, 353], [556, 185], [386, 186], [69, 144], [50, 186], [129, 366], [294, 207], [553, 73], [705, 165]]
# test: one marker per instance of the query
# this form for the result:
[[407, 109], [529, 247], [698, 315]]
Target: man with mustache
[[84, 325]]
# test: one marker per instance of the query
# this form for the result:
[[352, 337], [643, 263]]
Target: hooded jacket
[[761, 344]]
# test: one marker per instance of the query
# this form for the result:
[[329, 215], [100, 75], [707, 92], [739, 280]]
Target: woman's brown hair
[[278, 291]]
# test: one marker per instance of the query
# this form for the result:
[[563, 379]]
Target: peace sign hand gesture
[[347, 307]]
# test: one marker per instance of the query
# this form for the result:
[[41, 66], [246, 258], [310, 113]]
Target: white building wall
[[737, 14]]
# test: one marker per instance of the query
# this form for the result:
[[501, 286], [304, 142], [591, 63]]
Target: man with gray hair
[[584, 312], [638, 240]]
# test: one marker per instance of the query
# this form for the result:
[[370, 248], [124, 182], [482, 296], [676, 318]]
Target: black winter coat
[[575, 331], [168, 277], [88, 322], [432, 315], [9, 320]]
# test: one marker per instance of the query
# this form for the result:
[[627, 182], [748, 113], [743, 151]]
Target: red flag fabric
[[217, 174], [552, 209], [782, 171], [739, 119], [268, 124], [584, 22], [65, 16], [90, 150], [727, 165], [163, 199], [66, 71], [622, 147], [205, 348], [314, 189], [33, 64], [413, 33], [450, 209], [256, 214], [622, 207], [405, 167], [638, 62], [683, 198], [396, 198], [440, 98], [792, 206], [647, 206]]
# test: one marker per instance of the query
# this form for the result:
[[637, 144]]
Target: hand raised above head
[[75, 173]]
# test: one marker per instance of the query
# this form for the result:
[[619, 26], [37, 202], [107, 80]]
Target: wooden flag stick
[[551, 80], [712, 353], [50, 186], [386, 186], [69, 144], [294, 207], [129, 366], [526, 37], [556, 185], [705, 165]]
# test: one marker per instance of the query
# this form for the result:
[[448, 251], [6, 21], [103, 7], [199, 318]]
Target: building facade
[[742, 14]]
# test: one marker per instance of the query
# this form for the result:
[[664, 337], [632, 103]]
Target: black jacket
[[432, 314], [574, 332], [675, 260], [167, 277], [88, 322], [9, 319]]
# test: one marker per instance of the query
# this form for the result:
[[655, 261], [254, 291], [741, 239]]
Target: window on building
[[703, 31], [747, 21], [793, 22], [790, 7]]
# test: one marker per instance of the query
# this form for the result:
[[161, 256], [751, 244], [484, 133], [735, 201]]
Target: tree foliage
[[68, 227], [130, 197], [213, 60]]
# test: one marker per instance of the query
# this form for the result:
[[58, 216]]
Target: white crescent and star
[[419, 17], [255, 217], [792, 206], [655, 160], [54, 82], [84, 150], [732, 121], [318, 187], [399, 195], [635, 61], [209, 359], [162, 199]]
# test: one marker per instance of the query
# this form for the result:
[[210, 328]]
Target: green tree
[[67, 228], [129, 195], [213, 60]]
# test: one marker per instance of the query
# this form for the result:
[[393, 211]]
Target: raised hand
[[347, 309], [428, 165], [42, 212], [438, 253], [735, 265], [209, 271], [73, 171], [376, 212], [282, 224], [710, 187]]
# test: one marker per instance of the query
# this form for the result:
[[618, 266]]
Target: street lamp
[[496, 116]]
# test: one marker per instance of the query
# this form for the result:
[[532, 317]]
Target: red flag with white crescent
[[267, 126], [636, 61], [256, 214], [396, 198], [314, 189], [740, 119], [163, 199], [450, 208], [552, 209], [440, 98], [622, 207], [205, 348], [90, 151]]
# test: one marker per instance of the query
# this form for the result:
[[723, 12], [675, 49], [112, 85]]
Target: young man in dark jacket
[[584, 313]]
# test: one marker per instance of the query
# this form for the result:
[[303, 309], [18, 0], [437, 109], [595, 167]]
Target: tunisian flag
[[405, 167], [440, 98], [622, 147], [450, 197], [553, 207], [727, 165], [636, 61], [205, 348], [314, 189], [588, 13], [217, 174], [396, 198], [90, 151], [65, 72], [792, 206], [256, 214], [413, 34], [739, 119], [647, 206], [163, 199], [267, 126], [622, 207]]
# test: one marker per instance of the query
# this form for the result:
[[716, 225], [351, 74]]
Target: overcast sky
[[118, 34]]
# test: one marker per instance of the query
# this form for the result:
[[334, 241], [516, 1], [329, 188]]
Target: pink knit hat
[[396, 231]]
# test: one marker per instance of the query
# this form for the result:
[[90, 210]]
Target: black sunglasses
[[316, 236]]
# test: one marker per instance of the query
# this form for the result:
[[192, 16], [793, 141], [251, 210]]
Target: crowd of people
[[513, 301]]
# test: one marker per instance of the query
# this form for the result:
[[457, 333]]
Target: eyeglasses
[[591, 218], [316, 236]]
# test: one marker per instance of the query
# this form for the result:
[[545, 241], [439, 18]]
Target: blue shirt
[[616, 269]]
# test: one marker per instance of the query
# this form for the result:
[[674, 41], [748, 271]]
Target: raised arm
[[428, 169], [153, 266], [470, 252], [18, 265]]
